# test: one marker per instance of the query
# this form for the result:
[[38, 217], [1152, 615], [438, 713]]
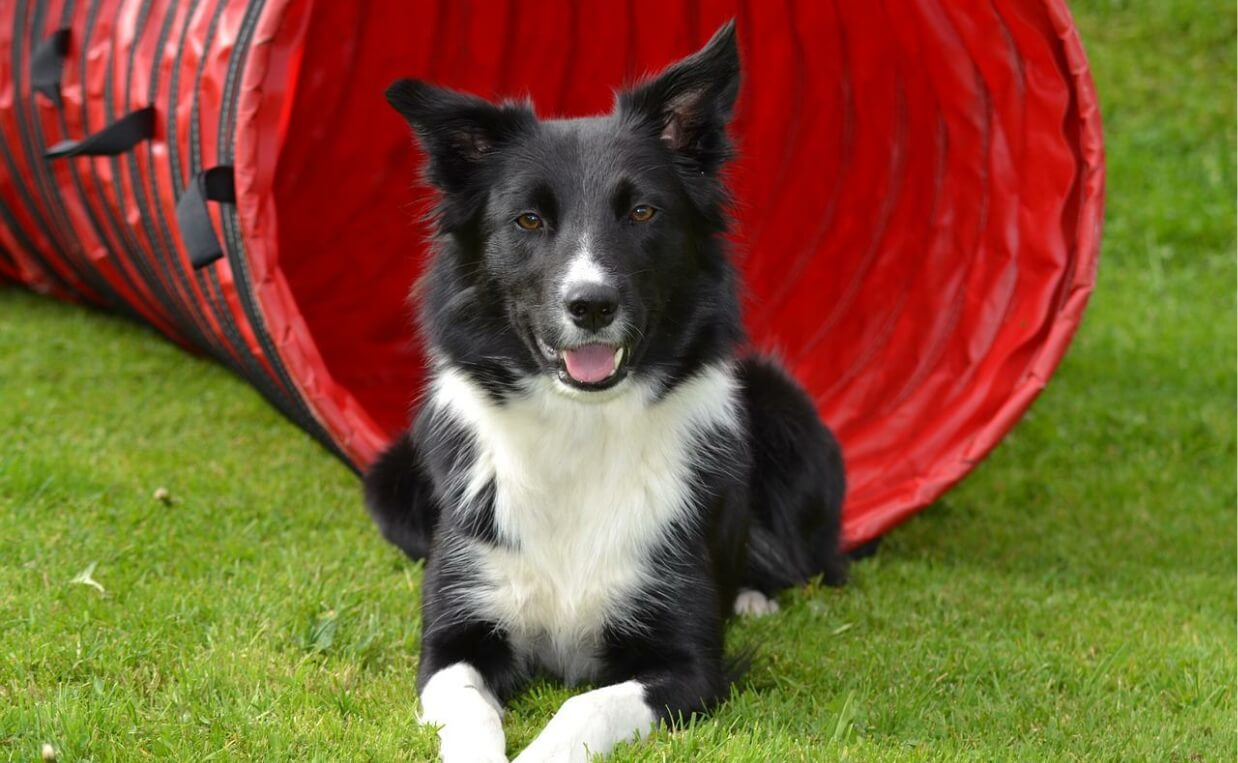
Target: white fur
[[583, 269], [592, 724], [469, 717], [752, 603], [583, 490]]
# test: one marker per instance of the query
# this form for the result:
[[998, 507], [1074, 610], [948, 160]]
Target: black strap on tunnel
[[116, 138], [214, 184], [47, 63]]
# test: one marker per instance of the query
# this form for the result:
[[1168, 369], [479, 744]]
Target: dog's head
[[587, 250]]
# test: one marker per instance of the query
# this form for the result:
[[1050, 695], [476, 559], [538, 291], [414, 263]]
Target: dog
[[598, 474]]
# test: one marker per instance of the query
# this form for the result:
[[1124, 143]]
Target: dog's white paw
[[591, 724], [468, 716], [750, 603]]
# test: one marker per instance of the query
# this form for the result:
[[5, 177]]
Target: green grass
[[1073, 600]]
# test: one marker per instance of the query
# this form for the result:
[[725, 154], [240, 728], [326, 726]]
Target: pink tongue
[[591, 363]]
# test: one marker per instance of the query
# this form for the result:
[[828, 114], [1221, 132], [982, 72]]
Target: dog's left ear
[[690, 102]]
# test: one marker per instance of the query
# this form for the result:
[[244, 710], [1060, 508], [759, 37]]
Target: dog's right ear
[[456, 130]]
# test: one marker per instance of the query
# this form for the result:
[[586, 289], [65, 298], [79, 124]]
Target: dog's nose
[[593, 305]]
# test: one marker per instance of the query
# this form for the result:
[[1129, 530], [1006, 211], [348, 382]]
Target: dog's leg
[[469, 717], [592, 724], [467, 668], [797, 487]]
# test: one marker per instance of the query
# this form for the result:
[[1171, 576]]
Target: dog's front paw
[[545, 754], [591, 724], [751, 603], [468, 717], [563, 740]]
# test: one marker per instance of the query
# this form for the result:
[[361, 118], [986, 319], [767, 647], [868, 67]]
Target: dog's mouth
[[594, 366]]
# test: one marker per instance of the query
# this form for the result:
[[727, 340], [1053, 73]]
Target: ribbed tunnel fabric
[[918, 195]]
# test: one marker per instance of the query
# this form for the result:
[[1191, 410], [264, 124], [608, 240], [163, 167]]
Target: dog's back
[[796, 487]]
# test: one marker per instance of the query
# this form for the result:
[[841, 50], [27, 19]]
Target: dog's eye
[[529, 221], [642, 213]]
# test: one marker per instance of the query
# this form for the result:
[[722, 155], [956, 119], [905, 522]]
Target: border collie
[[598, 475]]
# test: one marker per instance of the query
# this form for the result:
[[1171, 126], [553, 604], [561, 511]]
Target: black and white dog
[[597, 476]]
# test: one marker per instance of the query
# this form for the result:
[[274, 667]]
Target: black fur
[[797, 484], [766, 505], [400, 498]]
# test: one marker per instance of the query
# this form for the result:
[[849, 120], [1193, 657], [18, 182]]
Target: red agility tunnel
[[918, 197]]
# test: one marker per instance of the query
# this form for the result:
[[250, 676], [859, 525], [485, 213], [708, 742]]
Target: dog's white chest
[[582, 492]]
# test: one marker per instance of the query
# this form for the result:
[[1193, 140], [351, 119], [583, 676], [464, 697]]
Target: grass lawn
[[1073, 600]]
